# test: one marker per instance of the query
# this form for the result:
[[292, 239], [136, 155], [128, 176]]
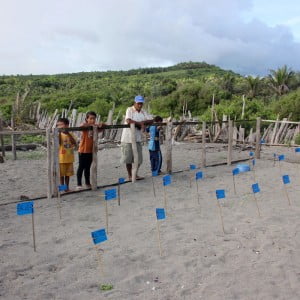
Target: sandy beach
[[256, 258]]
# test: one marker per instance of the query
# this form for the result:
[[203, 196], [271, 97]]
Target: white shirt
[[133, 114]]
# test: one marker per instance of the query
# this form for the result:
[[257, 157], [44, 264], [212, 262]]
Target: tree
[[280, 79], [253, 86]]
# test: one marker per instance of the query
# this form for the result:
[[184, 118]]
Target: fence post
[[169, 146], [135, 153], [258, 137], [230, 134], [95, 159], [55, 162], [2, 140], [203, 160], [13, 137], [49, 163]]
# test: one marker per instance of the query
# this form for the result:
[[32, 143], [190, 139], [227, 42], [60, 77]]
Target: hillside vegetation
[[167, 90]]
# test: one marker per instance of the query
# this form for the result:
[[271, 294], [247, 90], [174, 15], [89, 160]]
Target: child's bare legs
[[65, 180]]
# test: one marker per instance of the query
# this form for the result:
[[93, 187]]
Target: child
[[67, 143], [85, 150], [154, 147]]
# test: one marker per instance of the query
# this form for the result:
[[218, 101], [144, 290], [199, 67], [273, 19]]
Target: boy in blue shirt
[[154, 147]]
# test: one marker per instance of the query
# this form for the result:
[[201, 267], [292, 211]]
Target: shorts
[[66, 169], [127, 153]]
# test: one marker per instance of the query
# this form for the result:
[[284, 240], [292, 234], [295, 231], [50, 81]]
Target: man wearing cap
[[136, 115]]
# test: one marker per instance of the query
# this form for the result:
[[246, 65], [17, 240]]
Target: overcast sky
[[63, 36]]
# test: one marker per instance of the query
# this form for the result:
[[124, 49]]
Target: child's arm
[[100, 125]]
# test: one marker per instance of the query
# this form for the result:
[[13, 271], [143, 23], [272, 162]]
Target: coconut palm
[[253, 85], [280, 79]]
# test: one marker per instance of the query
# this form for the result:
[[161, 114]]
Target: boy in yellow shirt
[[67, 144]]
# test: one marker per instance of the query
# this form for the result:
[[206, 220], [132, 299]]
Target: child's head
[[158, 119], [62, 123], [90, 117]]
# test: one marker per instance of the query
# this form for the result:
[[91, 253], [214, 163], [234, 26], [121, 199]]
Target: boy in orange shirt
[[85, 150], [67, 143]]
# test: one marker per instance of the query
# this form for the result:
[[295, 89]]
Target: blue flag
[[25, 208], [251, 153], [160, 214], [297, 150], [281, 157], [121, 180], [253, 162], [235, 171], [262, 141], [286, 179], [220, 194], [62, 187], [199, 175], [111, 194], [255, 188], [193, 167], [167, 180], [99, 236]]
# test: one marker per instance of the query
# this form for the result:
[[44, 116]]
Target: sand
[[256, 258]]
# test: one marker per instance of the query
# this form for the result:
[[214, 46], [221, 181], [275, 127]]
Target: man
[[136, 115]]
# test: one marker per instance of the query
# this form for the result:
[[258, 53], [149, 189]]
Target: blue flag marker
[[62, 187], [281, 157], [286, 179], [167, 180], [111, 194], [220, 194], [199, 175], [253, 162], [25, 208], [121, 180], [297, 150], [160, 214], [251, 153], [193, 167], [255, 188], [262, 141], [99, 236], [154, 173], [235, 171]]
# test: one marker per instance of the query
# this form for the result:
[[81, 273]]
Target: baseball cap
[[139, 99]]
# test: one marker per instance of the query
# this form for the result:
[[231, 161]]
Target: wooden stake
[[158, 238], [234, 184], [287, 195], [255, 199], [135, 153], [203, 158], [119, 194], [95, 159], [100, 261], [13, 137], [56, 172], [169, 147], [198, 197], [106, 215], [49, 162], [258, 137], [59, 205], [153, 186], [33, 232], [230, 133], [165, 199], [221, 216]]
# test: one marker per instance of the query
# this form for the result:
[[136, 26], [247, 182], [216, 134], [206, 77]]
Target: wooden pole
[[258, 137], [13, 138], [33, 232], [106, 215], [221, 216], [234, 184], [255, 199], [165, 199], [230, 133], [101, 266], [287, 195], [169, 146], [49, 163], [95, 159], [59, 204], [2, 140], [119, 194], [135, 153], [153, 186], [56, 173], [198, 197], [158, 238], [203, 158]]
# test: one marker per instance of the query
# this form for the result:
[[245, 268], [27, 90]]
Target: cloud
[[72, 36]]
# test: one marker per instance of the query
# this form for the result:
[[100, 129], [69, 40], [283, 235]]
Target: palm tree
[[253, 85], [280, 79]]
